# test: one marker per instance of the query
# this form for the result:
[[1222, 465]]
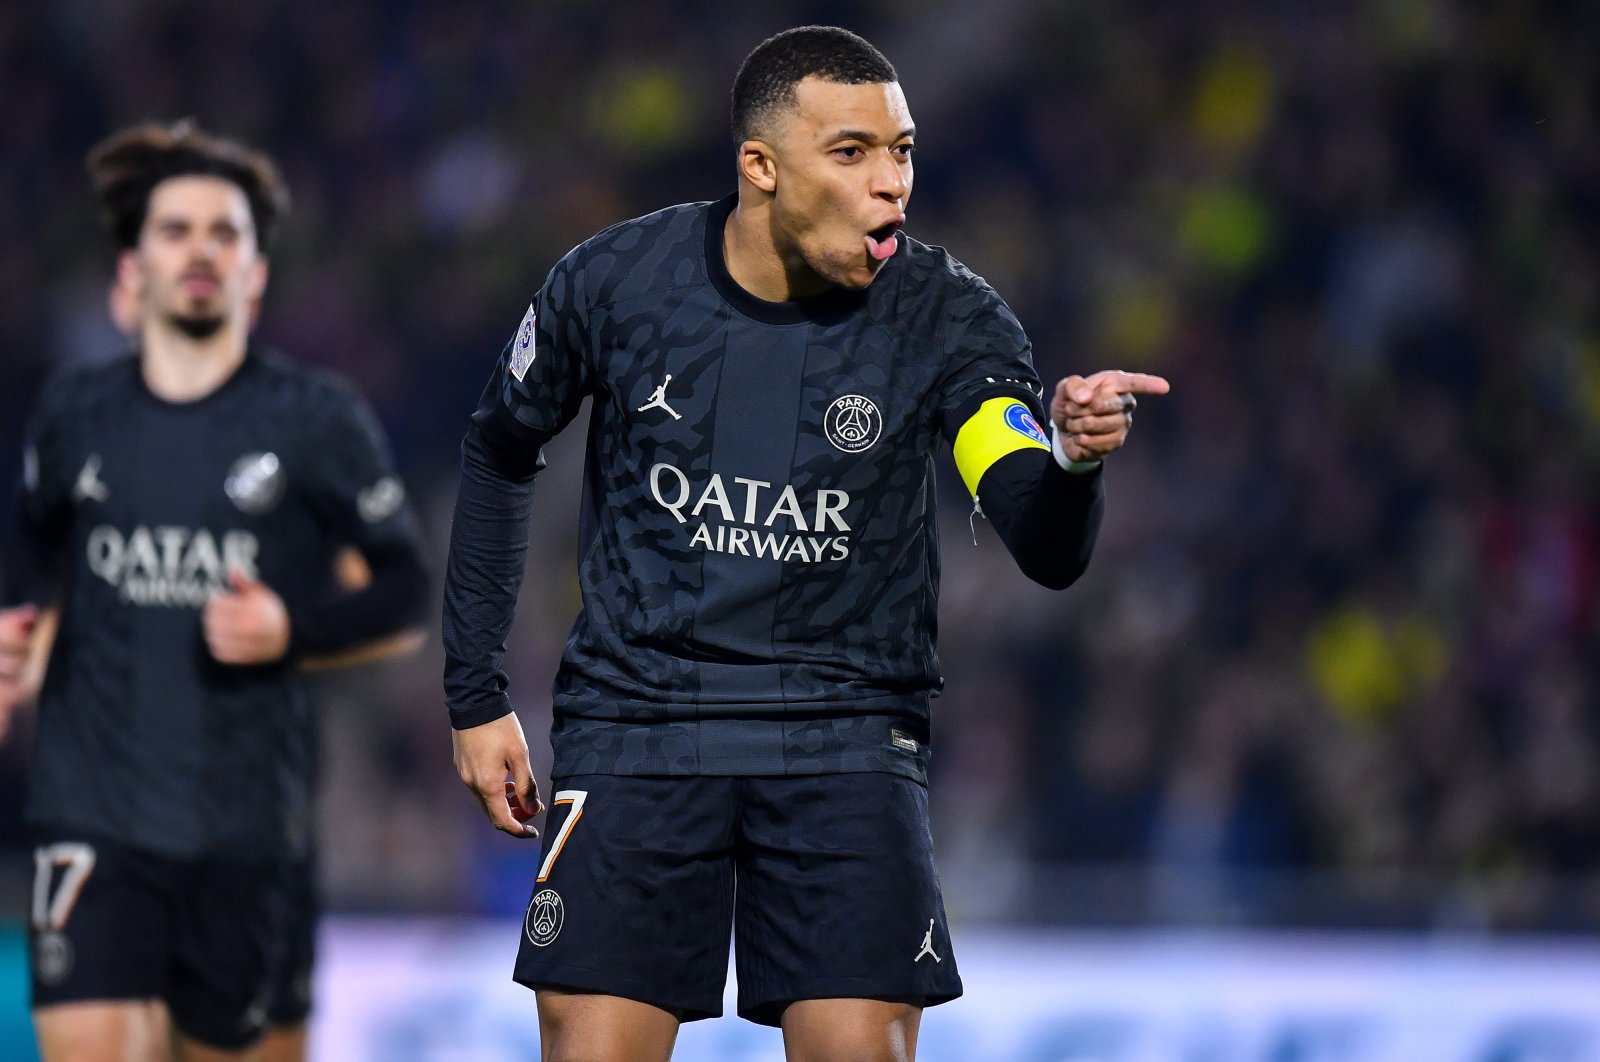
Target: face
[[841, 178], [196, 264]]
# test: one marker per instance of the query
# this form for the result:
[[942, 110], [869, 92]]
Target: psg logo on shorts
[[52, 957], [545, 915], [255, 483], [853, 423]]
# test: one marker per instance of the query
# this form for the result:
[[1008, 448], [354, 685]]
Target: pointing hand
[[1094, 414]]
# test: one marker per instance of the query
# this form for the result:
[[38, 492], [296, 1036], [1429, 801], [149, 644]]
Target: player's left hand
[[246, 625], [1094, 414]]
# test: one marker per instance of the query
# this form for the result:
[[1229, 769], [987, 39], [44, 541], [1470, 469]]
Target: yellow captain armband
[[1000, 426]]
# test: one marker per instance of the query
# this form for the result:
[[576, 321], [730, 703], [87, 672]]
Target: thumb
[[240, 583], [20, 619]]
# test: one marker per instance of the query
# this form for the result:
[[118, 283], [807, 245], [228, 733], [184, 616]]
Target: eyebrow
[[857, 134]]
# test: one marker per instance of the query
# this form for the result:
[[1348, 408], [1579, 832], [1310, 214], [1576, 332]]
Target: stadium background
[[1334, 666]]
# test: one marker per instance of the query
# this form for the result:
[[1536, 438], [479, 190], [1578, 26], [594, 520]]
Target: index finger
[[524, 787], [1130, 383]]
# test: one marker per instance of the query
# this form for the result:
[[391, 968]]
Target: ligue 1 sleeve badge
[[853, 423], [545, 916], [523, 347], [1019, 420]]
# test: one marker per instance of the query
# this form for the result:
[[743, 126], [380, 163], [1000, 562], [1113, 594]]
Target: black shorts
[[290, 1002], [837, 895], [109, 922]]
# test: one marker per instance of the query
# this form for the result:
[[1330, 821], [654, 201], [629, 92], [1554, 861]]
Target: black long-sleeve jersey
[[758, 552], [132, 513]]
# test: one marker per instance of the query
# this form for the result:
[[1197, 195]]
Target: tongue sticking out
[[882, 250]]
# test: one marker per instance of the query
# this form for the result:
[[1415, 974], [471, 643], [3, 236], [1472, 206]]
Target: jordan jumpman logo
[[658, 397], [927, 945]]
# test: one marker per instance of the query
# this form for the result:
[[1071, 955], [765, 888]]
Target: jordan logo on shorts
[[927, 945], [658, 400]]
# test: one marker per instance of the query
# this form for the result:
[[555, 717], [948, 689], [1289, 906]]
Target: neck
[[179, 368], [756, 261]]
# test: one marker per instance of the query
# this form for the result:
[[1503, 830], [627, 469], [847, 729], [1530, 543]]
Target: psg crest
[[853, 423], [255, 483], [52, 957], [545, 915]]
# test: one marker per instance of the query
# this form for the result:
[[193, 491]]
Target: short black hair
[[767, 77], [126, 167]]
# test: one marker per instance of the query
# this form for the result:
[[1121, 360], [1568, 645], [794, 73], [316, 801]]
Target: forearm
[[394, 601], [1048, 518], [401, 643], [483, 572]]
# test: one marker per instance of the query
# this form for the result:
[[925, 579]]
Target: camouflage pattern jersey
[[758, 554]]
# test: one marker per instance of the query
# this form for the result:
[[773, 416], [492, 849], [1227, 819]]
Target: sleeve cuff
[[1077, 468], [466, 719]]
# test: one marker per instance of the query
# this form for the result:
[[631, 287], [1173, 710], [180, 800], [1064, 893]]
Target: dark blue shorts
[[836, 893], [290, 1002], [109, 922]]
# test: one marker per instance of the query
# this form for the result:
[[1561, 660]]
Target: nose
[[890, 181], [206, 248]]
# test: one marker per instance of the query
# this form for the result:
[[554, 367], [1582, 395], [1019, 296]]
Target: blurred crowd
[[1336, 659]]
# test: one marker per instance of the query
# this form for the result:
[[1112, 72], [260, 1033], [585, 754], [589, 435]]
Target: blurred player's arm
[[250, 624], [381, 617], [33, 531], [380, 605], [352, 573]]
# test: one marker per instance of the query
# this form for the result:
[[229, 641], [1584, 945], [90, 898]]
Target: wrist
[[1066, 462]]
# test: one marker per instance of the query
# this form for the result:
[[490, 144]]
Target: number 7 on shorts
[[575, 797]]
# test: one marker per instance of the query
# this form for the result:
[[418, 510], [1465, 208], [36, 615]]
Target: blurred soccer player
[[745, 694], [290, 997], [181, 509]]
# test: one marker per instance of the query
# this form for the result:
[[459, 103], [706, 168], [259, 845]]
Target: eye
[[905, 151], [849, 151]]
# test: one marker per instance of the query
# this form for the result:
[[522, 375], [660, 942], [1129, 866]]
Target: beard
[[198, 326]]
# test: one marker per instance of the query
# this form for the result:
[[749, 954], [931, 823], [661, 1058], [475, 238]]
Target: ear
[[122, 300], [258, 280], [758, 164], [129, 277]]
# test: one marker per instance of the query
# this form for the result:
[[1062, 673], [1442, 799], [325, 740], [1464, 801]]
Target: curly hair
[[127, 166]]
